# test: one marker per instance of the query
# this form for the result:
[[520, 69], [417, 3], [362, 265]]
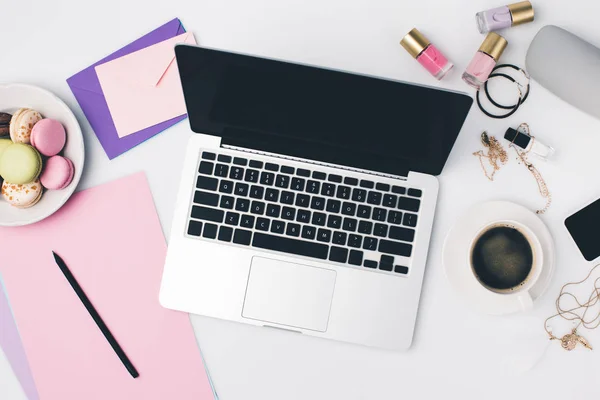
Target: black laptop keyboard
[[304, 212]]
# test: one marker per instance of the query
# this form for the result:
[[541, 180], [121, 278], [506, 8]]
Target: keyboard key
[[415, 192], [298, 184], [210, 231], [365, 227], [354, 241], [273, 210], [206, 168], [227, 202], [384, 187], [247, 221], [318, 219], [401, 269], [288, 213], [194, 228], [387, 260], [390, 200], [240, 161], [370, 243], [208, 156], [208, 214], [287, 170], [348, 208], [293, 230], [272, 195], [350, 181], [367, 184], [291, 246], [225, 234], [236, 173], [364, 212], [206, 198], [328, 189], [267, 178], [370, 264], [356, 257], [222, 170], [226, 187], [242, 236], [324, 235], [256, 164], [409, 204], [272, 167], [256, 192], [359, 195], [303, 200], [386, 267], [303, 172], [313, 187], [282, 181], [303, 216], [410, 220], [398, 248], [404, 234], [374, 198], [241, 189], [334, 221], [232, 218], [380, 230], [317, 203], [398, 189], [204, 182], [350, 224], [339, 238], [224, 158], [395, 217], [335, 178], [278, 227], [338, 254], [343, 192], [257, 207], [242, 205], [309, 232], [287, 197], [379, 214], [333, 206], [262, 224], [251, 175], [319, 175]]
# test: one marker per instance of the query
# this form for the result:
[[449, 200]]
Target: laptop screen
[[320, 114]]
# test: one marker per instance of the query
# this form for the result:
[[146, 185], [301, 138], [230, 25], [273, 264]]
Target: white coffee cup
[[522, 291]]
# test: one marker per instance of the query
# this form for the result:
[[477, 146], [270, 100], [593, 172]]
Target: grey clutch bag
[[568, 66]]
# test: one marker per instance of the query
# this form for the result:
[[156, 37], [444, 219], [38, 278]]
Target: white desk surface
[[456, 351]]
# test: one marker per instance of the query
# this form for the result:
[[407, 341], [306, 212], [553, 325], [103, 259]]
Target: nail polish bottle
[[527, 143], [426, 54], [485, 60], [505, 17]]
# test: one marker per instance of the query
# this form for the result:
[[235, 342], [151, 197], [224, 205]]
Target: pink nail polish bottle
[[426, 54], [478, 71]]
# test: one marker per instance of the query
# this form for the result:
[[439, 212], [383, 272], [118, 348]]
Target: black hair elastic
[[512, 108]]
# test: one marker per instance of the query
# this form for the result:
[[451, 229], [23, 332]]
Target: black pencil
[[95, 316]]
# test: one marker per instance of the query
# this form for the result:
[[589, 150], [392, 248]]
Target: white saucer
[[458, 244]]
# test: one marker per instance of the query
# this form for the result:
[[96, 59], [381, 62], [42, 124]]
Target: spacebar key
[[293, 246]]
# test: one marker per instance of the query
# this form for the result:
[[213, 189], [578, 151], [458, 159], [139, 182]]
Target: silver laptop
[[307, 197]]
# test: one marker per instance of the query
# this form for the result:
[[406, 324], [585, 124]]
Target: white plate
[[15, 96], [458, 244]]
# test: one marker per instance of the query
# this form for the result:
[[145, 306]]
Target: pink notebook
[[111, 240]]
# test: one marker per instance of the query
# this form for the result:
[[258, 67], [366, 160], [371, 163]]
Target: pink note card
[[111, 240]]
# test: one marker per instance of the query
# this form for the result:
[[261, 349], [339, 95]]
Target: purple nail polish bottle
[[505, 16]]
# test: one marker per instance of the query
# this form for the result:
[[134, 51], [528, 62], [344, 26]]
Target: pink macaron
[[48, 136], [58, 173]]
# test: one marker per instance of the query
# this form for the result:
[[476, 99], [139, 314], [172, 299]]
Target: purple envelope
[[88, 92]]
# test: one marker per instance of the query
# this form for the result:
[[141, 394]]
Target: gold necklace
[[496, 155], [570, 340]]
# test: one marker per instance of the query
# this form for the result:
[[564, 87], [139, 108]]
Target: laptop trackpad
[[289, 294]]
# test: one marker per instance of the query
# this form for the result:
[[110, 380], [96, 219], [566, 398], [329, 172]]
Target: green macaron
[[20, 164]]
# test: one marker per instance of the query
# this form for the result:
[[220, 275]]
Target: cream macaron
[[21, 124], [22, 196]]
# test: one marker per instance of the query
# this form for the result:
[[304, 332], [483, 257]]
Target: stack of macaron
[[30, 159]]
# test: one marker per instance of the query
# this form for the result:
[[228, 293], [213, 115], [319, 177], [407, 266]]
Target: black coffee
[[502, 258]]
